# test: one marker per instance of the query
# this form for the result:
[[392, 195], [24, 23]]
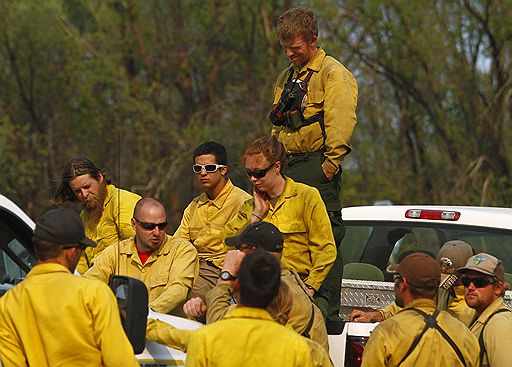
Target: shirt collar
[[110, 194], [48, 268], [290, 190], [495, 305], [314, 64], [421, 303], [248, 313], [128, 247], [219, 201]]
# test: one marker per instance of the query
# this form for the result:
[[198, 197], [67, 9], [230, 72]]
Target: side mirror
[[132, 300]]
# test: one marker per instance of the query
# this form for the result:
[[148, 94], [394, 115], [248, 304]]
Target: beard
[[93, 207]]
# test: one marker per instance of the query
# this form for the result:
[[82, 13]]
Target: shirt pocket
[[106, 235], [292, 226], [159, 280], [195, 233], [316, 98]]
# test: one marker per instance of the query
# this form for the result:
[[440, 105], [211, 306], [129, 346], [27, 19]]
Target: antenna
[[117, 220]]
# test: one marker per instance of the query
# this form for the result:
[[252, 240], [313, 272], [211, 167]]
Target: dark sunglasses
[[151, 226], [397, 276], [258, 173], [210, 168], [477, 282]]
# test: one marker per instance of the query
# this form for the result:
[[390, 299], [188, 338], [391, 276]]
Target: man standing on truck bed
[[54, 318], [484, 283], [314, 115], [107, 210], [419, 335]]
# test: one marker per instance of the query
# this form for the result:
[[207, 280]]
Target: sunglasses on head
[[477, 282], [210, 168], [258, 173], [151, 226]]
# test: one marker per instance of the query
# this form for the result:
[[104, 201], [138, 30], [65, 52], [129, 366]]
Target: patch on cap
[[485, 264]]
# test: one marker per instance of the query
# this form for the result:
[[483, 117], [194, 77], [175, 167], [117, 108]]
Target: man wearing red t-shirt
[[167, 266]]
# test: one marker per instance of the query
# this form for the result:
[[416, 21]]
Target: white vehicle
[[376, 235]]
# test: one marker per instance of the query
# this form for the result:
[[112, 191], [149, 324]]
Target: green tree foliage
[[435, 81], [137, 85]]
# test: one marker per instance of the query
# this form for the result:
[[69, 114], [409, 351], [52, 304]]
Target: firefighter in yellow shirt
[[483, 278], [295, 209], [248, 336], [106, 209], [314, 115], [450, 295], [54, 318], [206, 216], [419, 335], [167, 266]]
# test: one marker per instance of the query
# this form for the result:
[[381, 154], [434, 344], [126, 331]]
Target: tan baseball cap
[[453, 255], [485, 264]]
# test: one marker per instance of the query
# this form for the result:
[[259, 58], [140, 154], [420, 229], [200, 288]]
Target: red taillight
[[354, 351], [432, 214]]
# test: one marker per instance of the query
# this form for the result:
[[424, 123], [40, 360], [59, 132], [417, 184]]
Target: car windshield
[[384, 243]]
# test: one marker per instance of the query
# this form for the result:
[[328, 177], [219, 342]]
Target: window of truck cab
[[381, 243]]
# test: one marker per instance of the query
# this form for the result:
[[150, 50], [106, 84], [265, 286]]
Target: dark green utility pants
[[306, 168]]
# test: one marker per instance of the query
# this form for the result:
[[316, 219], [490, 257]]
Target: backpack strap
[[481, 337], [431, 322]]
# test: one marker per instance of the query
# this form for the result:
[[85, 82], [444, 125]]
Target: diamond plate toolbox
[[365, 295], [372, 295]]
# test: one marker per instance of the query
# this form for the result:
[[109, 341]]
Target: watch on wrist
[[226, 275]]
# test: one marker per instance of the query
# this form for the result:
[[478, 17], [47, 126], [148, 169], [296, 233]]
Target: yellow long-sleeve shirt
[[168, 273], [332, 90], [218, 303], [457, 308], [204, 220], [301, 217], [54, 318], [248, 337], [391, 339], [497, 334], [115, 224]]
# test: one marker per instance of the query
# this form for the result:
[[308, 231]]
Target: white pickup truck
[[375, 237]]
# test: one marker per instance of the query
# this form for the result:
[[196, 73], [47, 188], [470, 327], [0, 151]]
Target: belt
[[304, 154]]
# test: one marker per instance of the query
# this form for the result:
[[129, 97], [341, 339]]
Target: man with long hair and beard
[[106, 210]]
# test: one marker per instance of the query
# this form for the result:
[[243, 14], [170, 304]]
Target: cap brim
[[234, 241], [88, 242], [478, 270], [393, 268]]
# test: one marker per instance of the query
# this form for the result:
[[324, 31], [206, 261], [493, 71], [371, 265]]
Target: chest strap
[[481, 337], [431, 322], [319, 117]]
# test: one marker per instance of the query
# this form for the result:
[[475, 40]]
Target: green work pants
[[306, 168]]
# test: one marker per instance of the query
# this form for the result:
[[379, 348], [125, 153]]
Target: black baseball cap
[[62, 226], [261, 234]]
